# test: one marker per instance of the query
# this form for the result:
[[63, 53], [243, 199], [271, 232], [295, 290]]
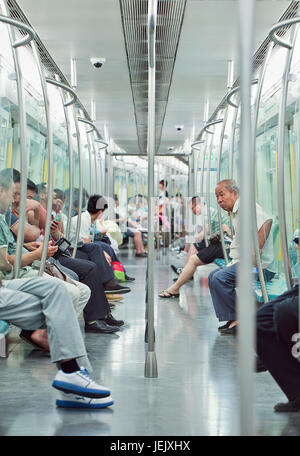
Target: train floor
[[195, 394]]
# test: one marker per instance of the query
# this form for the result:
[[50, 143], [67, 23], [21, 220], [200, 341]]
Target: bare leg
[[191, 252], [138, 242], [40, 337], [187, 273]]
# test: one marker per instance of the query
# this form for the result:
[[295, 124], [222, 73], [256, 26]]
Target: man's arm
[[263, 233], [36, 214], [31, 232]]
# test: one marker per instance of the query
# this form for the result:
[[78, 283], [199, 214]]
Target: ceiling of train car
[[195, 68]]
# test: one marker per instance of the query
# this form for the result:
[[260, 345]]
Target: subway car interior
[[150, 211]]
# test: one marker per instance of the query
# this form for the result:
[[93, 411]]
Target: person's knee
[[194, 260], [285, 321], [211, 277]]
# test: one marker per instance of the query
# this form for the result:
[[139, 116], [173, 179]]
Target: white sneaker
[[75, 401], [80, 383], [182, 255]]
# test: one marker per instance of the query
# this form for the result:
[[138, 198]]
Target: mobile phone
[[57, 218]]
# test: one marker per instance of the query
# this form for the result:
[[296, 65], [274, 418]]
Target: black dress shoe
[[100, 326], [291, 406], [229, 331], [260, 367], [112, 287], [144, 254], [225, 326], [129, 279], [111, 321]]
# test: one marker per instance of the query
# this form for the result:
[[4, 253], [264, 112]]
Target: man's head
[[6, 189], [96, 204], [116, 200], [227, 192], [195, 205], [42, 193], [58, 200], [31, 189]]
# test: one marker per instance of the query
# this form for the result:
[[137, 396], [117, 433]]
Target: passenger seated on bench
[[222, 282], [96, 205], [96, 312], [32, 304], [199, 254], [94, 254], [131, 228], [35, 213], [80, 293], [278, 336]]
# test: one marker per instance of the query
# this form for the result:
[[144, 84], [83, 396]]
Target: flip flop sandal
[[25, 335], [166, 294]]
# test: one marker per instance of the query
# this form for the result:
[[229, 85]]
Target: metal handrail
[[31, 35], [68, 89], [105, 144], [197, 142], [89, 122], [233, 91], [209, 124], [272, 33]]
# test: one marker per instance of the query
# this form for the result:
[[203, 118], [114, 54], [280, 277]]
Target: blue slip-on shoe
[[80, 383], [75, 401]]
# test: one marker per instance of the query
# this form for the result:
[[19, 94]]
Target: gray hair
[[230, 185]]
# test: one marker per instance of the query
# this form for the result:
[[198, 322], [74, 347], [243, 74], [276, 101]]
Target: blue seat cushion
[[4, 328]]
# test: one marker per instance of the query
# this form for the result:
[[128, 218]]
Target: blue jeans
[[222, 283]]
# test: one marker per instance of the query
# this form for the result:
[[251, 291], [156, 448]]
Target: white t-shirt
[[85, 225], [267, 250]]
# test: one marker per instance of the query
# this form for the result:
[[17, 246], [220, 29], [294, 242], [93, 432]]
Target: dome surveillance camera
[[97, 62], [179, 127]]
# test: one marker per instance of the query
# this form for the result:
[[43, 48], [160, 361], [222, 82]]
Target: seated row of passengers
[[47, 308], [277, 321]]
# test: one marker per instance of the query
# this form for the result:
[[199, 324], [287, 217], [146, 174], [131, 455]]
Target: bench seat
[[4, 330], [275, 287]]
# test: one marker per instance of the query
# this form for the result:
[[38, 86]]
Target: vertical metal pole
[[73, 72], [208, 184], [92, 175], [151, 362], [246, 310], [253, 211], [50, 156], [280, 183], [202, 189], [80, 196], [23, 145], [218, 180], [94, 145], [71, 163]]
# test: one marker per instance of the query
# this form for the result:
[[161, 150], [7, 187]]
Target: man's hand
[[52, 249], [31, 246], [107, 257]]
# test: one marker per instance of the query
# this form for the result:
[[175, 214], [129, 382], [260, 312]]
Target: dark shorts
[[208, 254]]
